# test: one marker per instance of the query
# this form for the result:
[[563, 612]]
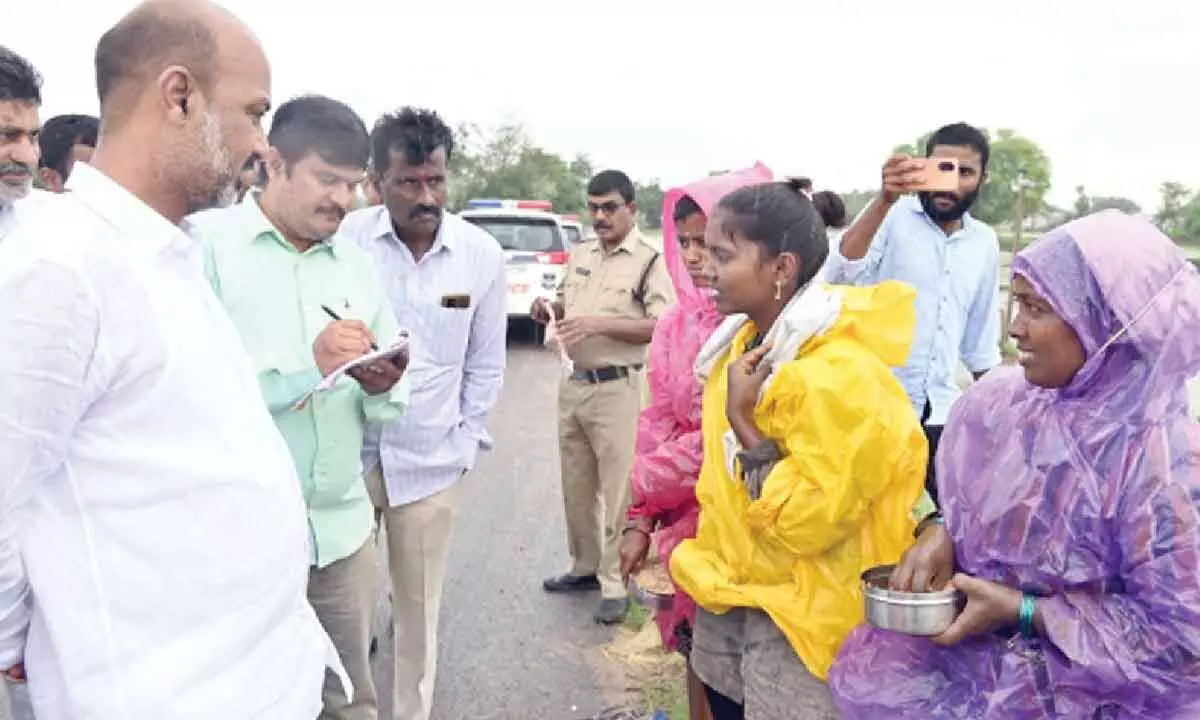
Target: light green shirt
[[274, 295]]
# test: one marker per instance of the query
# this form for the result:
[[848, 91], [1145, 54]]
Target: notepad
[[398, 346]]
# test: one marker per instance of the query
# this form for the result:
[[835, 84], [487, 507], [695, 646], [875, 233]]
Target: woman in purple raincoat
[[1071, 501]]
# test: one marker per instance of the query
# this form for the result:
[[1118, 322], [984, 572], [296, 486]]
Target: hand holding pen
[[337, 318]]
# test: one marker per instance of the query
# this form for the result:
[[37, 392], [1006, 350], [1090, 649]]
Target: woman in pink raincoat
[[669, 452]]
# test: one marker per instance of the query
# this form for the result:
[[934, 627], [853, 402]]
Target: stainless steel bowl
[[928, 613], [649, 599]]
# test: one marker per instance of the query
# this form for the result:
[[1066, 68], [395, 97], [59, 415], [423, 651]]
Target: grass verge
[[656, 676]]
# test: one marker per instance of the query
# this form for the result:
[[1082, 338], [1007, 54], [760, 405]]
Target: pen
[[335, 316]]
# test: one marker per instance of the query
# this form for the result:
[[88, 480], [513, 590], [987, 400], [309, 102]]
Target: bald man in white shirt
[[153, 559]]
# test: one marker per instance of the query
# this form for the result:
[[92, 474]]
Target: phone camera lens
[[946, 166]]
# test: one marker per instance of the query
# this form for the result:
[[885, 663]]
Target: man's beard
[[9, 194], [221, 175], [960, 208]]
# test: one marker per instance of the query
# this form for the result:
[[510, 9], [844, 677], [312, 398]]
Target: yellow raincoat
[[841, 499]]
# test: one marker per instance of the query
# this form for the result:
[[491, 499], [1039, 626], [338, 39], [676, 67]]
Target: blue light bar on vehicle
[[476, 203]]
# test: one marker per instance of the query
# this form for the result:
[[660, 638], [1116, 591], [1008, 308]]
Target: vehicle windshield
[[573, 235], [522, 234]]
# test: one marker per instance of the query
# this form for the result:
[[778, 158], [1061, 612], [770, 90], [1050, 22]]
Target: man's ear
[[49, 179], [179, 94], [275, 164]]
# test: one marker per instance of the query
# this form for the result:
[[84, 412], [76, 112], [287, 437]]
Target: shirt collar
[[446, 238], [257, 224], [126, 212], [627, 245]]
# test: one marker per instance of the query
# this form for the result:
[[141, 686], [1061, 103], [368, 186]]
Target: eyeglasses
[[608, 208]]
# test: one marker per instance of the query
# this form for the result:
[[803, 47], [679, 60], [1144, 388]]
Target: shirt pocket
[[617, 301], [448, 334]]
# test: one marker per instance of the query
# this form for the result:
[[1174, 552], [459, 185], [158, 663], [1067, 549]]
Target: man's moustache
[[16, 168]]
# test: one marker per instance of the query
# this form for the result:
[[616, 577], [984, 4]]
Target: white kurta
[[153, 558]]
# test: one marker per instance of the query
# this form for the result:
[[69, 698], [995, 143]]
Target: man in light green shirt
[[277, 264]]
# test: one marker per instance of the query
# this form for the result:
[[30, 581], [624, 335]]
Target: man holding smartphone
[[306, 301], [927, 238]]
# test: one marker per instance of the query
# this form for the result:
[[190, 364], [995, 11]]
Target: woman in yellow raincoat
[[813, 458]]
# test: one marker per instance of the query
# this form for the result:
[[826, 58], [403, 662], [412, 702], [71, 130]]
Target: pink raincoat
[[669, 452]]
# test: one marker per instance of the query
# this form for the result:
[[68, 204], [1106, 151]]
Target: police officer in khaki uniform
[[615, 288]]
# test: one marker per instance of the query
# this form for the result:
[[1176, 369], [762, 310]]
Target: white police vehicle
[[573, 226], [535, 247]]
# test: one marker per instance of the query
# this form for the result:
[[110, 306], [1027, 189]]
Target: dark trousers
[[933, 433], [723, 708]]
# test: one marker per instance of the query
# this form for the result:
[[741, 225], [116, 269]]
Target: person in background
[[1068, 493], [813, 458], [609, 301], [153, 558], [832, 210], [20, 98], [445, 280], [276, 261], [253, 176], [64, 141], [930, 241], [804, 185], [669, 447]]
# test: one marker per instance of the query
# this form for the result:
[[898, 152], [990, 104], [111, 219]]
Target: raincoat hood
[[1082, 496], [707, 193], [1140, 324]]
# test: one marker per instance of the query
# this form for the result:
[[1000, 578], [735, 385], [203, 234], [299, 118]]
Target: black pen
[[335, 316]]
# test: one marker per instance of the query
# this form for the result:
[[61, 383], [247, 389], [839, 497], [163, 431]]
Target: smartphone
[[939, 174]]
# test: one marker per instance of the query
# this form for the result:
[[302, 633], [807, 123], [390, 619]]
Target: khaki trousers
[[343, 596], [418, 542], [597, 431]]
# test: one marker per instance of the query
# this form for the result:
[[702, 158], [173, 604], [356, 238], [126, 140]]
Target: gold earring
[[778, 289]]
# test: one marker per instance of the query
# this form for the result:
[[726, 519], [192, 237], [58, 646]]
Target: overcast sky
[[666, 89]]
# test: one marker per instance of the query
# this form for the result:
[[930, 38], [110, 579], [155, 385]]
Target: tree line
[[504, 161]]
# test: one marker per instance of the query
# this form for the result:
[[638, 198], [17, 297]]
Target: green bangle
[[1028, 608]]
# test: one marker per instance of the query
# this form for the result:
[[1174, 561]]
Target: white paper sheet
[[399, 344]]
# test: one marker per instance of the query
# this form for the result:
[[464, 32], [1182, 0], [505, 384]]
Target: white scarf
[[810, 312]]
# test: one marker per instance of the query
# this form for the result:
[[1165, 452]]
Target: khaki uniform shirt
[[603, 283]]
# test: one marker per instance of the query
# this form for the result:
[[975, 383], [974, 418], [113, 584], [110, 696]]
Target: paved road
[[507, 650]]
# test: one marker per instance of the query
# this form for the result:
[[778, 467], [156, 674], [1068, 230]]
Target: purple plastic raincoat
[[1085, 496], [668, 445]]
